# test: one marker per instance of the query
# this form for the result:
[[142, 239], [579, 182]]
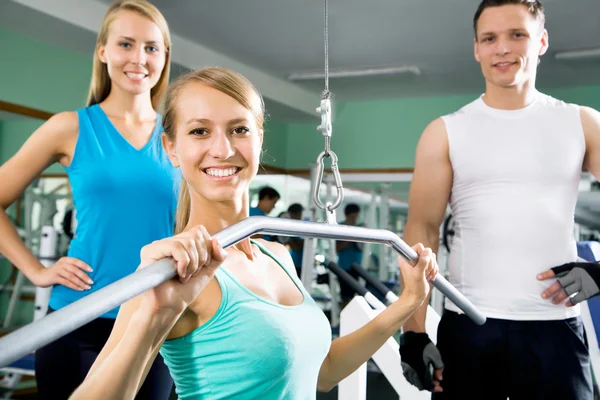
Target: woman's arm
[[124, 362], [53, 142], [144, 322], [350, 352]]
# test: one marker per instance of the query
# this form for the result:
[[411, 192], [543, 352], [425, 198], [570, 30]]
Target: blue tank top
[[124, 199], [251, 348]]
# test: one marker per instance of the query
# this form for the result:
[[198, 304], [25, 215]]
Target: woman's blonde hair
[[100, 84], [228, 82]]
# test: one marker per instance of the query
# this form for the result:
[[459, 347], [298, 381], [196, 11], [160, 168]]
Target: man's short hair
[[295, 208], [535, 8], [268, 192], [351, 208]]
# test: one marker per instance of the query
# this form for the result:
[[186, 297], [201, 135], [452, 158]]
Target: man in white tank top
[[509, 165]]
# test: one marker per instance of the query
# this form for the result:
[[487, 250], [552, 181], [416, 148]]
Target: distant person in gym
[[237, 323], [267, 199], [509, 164], [349, 253], [296, 244], [123, 189]]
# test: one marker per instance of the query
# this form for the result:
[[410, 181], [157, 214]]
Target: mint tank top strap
[[291, 272], [124, 198]]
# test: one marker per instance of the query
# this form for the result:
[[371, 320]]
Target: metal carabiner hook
[[338, 181], [330, 216], [319, 180]]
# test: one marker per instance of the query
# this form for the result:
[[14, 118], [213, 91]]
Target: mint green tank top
[[251, 348]]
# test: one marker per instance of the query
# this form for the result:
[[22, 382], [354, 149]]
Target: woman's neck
[[216, 216], [133, 108]]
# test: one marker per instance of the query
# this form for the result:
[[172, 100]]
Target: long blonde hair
[[228, 82], [100, 84]]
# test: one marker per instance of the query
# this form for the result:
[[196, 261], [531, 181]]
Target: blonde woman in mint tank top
[[237, 323]]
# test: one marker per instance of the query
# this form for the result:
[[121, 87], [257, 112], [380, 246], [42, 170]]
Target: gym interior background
[[46, 61]]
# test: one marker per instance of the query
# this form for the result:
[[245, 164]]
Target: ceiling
[[285, 36], [281, 37]]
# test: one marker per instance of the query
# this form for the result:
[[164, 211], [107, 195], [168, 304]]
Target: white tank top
[[514, 190]]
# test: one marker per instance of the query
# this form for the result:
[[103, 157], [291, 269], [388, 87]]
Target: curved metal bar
[[41, 332]]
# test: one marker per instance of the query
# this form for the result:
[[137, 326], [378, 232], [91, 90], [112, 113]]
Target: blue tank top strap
[[155, 147], [101, 125], [87, 139]]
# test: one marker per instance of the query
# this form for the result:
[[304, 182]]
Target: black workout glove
[[419, 357], [582, 278]]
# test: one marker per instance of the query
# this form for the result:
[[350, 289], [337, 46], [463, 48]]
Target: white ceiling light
[[353, 73], [578, 54]]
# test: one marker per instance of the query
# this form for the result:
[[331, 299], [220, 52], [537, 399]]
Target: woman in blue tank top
[[124, 188], [237, 324]]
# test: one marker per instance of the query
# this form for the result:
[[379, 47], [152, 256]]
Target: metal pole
[[20, 281], [357, 287], [309, 250], [370, 221], [390, 297], [39, 333], [47, 256], [384, 220], [334, 284]]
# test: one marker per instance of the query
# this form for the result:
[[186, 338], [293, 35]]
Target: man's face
[[270, 204], [508, 44], [352, 218]]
